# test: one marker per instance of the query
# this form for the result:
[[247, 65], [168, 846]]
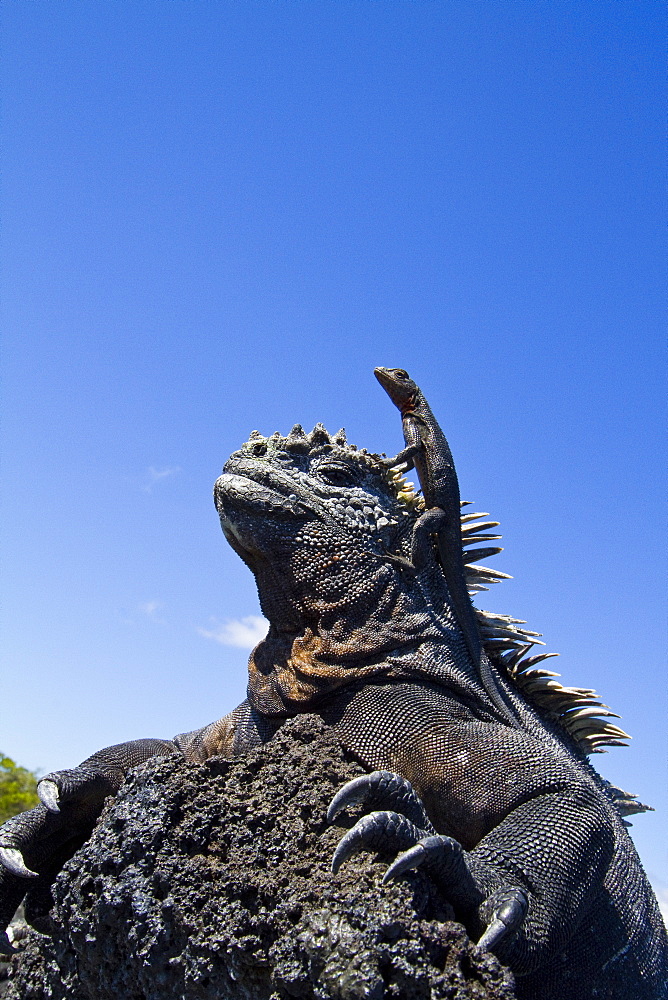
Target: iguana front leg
[[526, 886], [36, 844], [403, 825]]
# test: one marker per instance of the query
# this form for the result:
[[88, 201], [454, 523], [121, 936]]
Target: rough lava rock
[[213, 881]]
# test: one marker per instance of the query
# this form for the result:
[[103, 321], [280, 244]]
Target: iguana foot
[[490, 917], [501, 914], [381, 789], [32, 842], [36, 844]]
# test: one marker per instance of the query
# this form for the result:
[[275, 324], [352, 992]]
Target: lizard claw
[[49, 795], [12, 859], [381, 788], [376, 832], [503, 913]]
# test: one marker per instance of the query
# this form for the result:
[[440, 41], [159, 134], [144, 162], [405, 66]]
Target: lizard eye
[[337, 475], [259, 449], [400, 373]]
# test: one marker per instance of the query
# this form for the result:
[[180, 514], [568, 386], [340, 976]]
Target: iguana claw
[[503, 911], [381, 788], [49, 795], [410, 859], [13, 861], [376, 832], [435, 850], [352, 793]]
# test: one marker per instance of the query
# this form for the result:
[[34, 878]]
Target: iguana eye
[[259, 449], [337, 475]]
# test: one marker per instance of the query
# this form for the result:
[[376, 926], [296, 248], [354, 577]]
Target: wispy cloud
[[150, 609], [244, 633], [154, 475]]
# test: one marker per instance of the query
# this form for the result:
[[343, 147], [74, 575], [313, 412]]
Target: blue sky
[[220, 216]]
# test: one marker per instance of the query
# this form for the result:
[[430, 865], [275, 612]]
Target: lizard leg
[[421, 544], [403, 458], [405, 565], [427, 524], [381, 790]]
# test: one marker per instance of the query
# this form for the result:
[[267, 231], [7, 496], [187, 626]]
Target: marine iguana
[[524, 838]]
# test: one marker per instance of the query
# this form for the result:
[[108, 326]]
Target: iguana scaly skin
[[516, 828]]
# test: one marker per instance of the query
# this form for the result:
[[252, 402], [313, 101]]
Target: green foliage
[[17, 788]]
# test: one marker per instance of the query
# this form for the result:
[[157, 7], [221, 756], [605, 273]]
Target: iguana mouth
[[258, 489]]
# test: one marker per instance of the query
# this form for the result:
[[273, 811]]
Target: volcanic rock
[[213, 881]]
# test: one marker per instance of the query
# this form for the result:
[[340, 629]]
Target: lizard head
[[399, 386]]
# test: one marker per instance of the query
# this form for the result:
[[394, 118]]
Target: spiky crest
[[299, 442]]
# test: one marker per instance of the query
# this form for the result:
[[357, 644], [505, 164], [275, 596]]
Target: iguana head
[[312, 490], [324, 527]]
